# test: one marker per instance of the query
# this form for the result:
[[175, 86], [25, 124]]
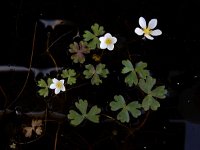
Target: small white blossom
[[58, 85], [148, 31], [13, 146], [107, 41]]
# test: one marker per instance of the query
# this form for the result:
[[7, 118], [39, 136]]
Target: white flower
[[107, 41], [58, 85], [148, 30]]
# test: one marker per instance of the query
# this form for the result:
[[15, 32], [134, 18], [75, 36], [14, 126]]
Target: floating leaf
[[76, 118], [95, 74], [133, 108], [92, 38], [147, 85], [44, 91], [141, 71], [93, 114], [149, 102], [78, 51], [159, 92], [69, 75], [131, 78], [119, 103]]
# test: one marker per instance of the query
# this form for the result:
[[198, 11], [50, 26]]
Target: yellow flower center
[[147, 31], [108, 41], [59, 84]]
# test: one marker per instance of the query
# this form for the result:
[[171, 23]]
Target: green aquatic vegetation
[[44, 87], [82, 105], [96, 73], [92, 37], [119, 103]]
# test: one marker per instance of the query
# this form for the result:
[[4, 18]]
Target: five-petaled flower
[[148, 30], [58, 85], [107, 41]]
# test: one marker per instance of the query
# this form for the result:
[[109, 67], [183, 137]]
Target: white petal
[[156, 32], [110, 47], [52, 86], [139, 31], [114, 40], [55, 80], [108, 35], [103, 45], [148, 37], [57, 91], [152, 23], [142, 22], [62, 81], [102, 39], [63, 88]]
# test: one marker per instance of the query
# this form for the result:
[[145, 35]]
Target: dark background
[[172, 57]]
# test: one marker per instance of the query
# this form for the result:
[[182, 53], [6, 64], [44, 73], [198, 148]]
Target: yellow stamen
[[147, 31], [108, 41], [59, 84]]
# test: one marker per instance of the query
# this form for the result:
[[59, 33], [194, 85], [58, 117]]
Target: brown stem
[[56, 137], [29, 70]]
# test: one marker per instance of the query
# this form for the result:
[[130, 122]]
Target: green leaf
[[131, 79], [96, 79], [159, 92], [150, 103], [128, 67], [88, 36], [69, 75], [75, 117], [95, 74], [147, 85], [134, 107], [118, 103], [49, 82], [97, 30], [44, 91], [42, 83], [141, 71], [93, 114], [101, 70], [123, 115], [82, 106], [89, 72], [92, 38]]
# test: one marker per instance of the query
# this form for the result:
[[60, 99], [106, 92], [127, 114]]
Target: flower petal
[[103, 45], [142, 22], [55, 80], [148, 37], [139, 31], [156, 32], [102, 39], [57, 91], [107, 35], [62, 81], [114, 40], [152, 23], [63, 88], [52, 86], [110, 47]]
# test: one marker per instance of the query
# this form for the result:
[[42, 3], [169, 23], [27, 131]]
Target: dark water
[[172, 58]]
